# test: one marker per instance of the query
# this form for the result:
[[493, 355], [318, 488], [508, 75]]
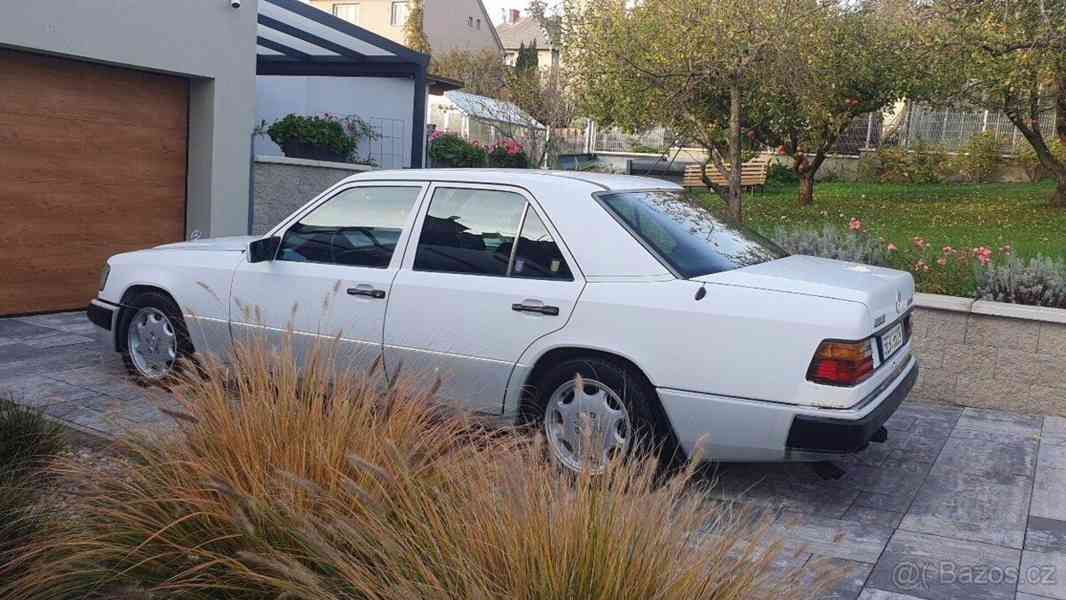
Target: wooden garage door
[[92, 163]]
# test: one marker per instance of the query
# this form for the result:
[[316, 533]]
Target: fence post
[[869, 130], [984, 124]]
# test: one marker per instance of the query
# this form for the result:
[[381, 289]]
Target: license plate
[[892, 341]]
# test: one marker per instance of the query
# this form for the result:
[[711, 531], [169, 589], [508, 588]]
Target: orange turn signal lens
[[842, 363]]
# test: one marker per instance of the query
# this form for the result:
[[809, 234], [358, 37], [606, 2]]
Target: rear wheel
[[155, 338], [595, 409]]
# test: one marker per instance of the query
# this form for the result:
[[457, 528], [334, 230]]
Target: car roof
[[523, 177]]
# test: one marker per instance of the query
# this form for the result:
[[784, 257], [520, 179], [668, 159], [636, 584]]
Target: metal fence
[[951, 129]]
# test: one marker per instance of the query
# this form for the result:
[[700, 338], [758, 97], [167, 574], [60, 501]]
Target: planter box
[[991, 354], [311, 152]]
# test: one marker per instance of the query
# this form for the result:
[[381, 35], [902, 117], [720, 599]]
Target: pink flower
[[920, 243], [891, 247], [921, 265], [855, 224], [942, 261], [949, 250], [984, 255]]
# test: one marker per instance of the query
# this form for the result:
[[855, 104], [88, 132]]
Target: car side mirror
[[263, 250]]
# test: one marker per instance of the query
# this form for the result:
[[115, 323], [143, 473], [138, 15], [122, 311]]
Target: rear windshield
[[687, 236]]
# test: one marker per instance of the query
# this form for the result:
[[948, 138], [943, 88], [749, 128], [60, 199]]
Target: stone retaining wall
[[991, 355], [282, 184]]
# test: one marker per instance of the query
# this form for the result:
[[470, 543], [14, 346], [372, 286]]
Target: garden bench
[[752, 174]]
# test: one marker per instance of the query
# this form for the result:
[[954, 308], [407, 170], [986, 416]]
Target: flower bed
[[448, 149]]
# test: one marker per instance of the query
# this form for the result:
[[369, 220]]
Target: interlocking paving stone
[[54, 340], [938, 568], [872, 594], [873, 516], [885, 502], [837, 538], [14, 328], [1055, 425], [1052, 450], [107, 379], [971, 506], [999, 421], [1043, 574], [850, 575], [1046, 535], [993, 454], [38, 391], [1024, 596], [69, 322], [791, 486], [1049, 494]]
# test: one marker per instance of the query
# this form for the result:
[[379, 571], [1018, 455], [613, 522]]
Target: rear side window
[[476, 231], [358, 227], [687, 236]]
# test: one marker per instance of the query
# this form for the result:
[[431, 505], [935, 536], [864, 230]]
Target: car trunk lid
[[887, 293]]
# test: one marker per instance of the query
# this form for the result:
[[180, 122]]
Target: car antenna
[[700, 293]]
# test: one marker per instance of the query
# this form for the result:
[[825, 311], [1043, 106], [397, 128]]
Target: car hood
[[220, 244], [886, 292]]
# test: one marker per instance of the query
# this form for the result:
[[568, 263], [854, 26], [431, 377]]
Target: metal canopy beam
[[287, 51], [310, 38]]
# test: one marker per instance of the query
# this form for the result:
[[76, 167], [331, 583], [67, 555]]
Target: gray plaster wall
[[283, 185], [206, 41]]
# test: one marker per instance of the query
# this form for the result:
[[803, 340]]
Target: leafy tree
[[840, 63], [1009, 56], [482, 72], [527, 59], [690, 66], [414, 29]]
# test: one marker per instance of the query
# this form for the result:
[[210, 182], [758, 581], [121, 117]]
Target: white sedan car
[[513, 286]]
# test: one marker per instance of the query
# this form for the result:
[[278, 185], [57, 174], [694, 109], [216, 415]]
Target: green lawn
[[958, 215]]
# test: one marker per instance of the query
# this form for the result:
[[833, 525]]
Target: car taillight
[[842, 363]]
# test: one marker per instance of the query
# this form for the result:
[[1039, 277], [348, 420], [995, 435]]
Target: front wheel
[[594, 410], [155, 337]]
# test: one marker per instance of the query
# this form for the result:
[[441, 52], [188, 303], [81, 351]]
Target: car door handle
[[551, 311], [367, 291]]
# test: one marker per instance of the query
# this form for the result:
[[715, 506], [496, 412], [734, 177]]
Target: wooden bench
[[752, 174]]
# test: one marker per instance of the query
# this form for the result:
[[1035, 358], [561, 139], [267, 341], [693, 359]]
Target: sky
[[495, 7]]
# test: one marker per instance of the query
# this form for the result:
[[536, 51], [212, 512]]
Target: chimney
[[515, 15]]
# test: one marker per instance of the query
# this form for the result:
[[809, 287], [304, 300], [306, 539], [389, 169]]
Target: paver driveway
[[958, 503]]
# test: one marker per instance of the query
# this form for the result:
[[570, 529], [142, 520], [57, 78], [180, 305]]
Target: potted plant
[[319, 137]]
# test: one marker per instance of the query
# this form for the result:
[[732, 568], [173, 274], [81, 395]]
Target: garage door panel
[[53, 149], [30, 84], [94, 162]]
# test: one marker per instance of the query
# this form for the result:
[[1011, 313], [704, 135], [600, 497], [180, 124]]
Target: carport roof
[[291, 32]]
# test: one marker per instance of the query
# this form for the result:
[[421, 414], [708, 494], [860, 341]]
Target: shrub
[[981, 159], [943, 269], [451, 150], [318, 485], [508, 154], [833, 242], [779, 174], [1038, 282], [322, 137], [27, 442], [923, 164], [1029, 161]]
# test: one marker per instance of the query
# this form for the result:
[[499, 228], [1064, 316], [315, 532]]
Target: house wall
[[446, 23], [383, 102], [208, 42], [283, 185]]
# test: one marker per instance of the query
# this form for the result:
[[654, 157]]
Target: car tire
[[155, 340], [609, 382]]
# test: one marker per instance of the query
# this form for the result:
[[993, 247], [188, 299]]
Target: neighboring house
[[520, 31], [448, 24]]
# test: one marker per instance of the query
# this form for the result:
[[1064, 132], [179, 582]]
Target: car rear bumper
[[740, 430]]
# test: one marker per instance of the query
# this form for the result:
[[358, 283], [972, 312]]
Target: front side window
[[399, 14], [349, 11], [358, 227], [686, 235]]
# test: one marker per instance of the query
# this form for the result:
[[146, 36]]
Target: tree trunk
[[735, 199], [1058, 200], [806, 195]]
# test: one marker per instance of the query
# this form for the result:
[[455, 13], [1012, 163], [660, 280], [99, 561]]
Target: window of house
[[470, 21], [349, 11], [358, 227], [398, 16], [475, 231], [479, 24]]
